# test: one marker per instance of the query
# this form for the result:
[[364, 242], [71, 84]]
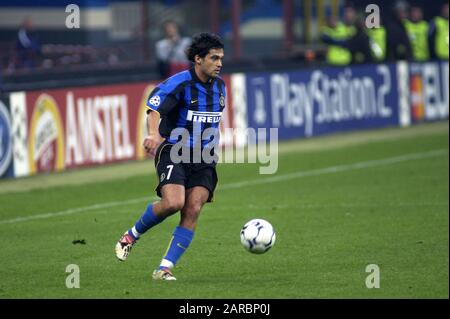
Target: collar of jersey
[[197, 79]]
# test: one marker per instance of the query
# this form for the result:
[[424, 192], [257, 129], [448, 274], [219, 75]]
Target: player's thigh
[[171, 179], [204, 176], [173, 195], [168, 171]]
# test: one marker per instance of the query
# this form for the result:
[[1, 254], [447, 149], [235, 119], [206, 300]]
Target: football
[[258, 236]]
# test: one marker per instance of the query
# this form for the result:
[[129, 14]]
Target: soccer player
[[190, 102]]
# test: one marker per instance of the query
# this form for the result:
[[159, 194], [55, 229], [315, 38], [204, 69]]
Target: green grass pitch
[[338, 203]]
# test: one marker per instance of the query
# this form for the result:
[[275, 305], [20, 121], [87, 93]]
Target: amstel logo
[[46, 142]]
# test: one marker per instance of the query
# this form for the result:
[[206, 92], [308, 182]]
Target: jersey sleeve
[[162, 99]]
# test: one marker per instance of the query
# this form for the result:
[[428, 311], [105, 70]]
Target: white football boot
[[163, 274], [124, 245]]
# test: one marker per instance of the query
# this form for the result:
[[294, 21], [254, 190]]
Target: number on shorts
[[170, 167]]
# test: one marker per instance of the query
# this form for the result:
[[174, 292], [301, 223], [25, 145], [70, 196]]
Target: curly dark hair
[[202, 43]]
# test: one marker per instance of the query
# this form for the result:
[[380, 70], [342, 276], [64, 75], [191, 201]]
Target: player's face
[[211, 64]]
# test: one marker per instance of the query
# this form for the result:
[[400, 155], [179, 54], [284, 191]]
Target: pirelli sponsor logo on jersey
[[204, 117]]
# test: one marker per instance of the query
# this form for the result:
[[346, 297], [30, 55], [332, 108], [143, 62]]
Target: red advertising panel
[[78, 127]]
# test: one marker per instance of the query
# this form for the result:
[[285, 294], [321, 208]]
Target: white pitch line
[[338, 168], [75, 210], [264, 180]]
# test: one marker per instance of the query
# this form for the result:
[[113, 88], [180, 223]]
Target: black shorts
[[186, 174]]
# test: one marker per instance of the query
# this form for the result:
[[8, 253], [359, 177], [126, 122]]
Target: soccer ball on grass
[[258, 236]]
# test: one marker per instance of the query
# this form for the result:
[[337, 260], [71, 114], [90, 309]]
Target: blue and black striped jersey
[[184, 101]]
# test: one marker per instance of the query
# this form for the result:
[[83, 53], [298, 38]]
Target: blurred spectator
[[28, 48], [438, 35], [170, 51], [335, 34], [398, 45], [358, 41], [359, 44], [377, 40], [417, 30], [350, 16]]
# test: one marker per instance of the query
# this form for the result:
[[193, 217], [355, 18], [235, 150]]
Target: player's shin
[[145, 222], [181, 240]]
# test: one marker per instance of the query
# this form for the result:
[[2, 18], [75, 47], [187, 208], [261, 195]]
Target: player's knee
[[193, 207], [196, 207], [172, 205]]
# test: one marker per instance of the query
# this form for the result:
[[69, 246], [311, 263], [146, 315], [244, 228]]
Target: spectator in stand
[[336, 35], [438, 35], [398, 45], [359, 44], [350, 17], [170, 51], [417, 30], [28, 48], [377, 38]]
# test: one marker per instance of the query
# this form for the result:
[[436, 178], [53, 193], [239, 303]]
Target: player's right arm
[[153, 139], [162, 101]]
